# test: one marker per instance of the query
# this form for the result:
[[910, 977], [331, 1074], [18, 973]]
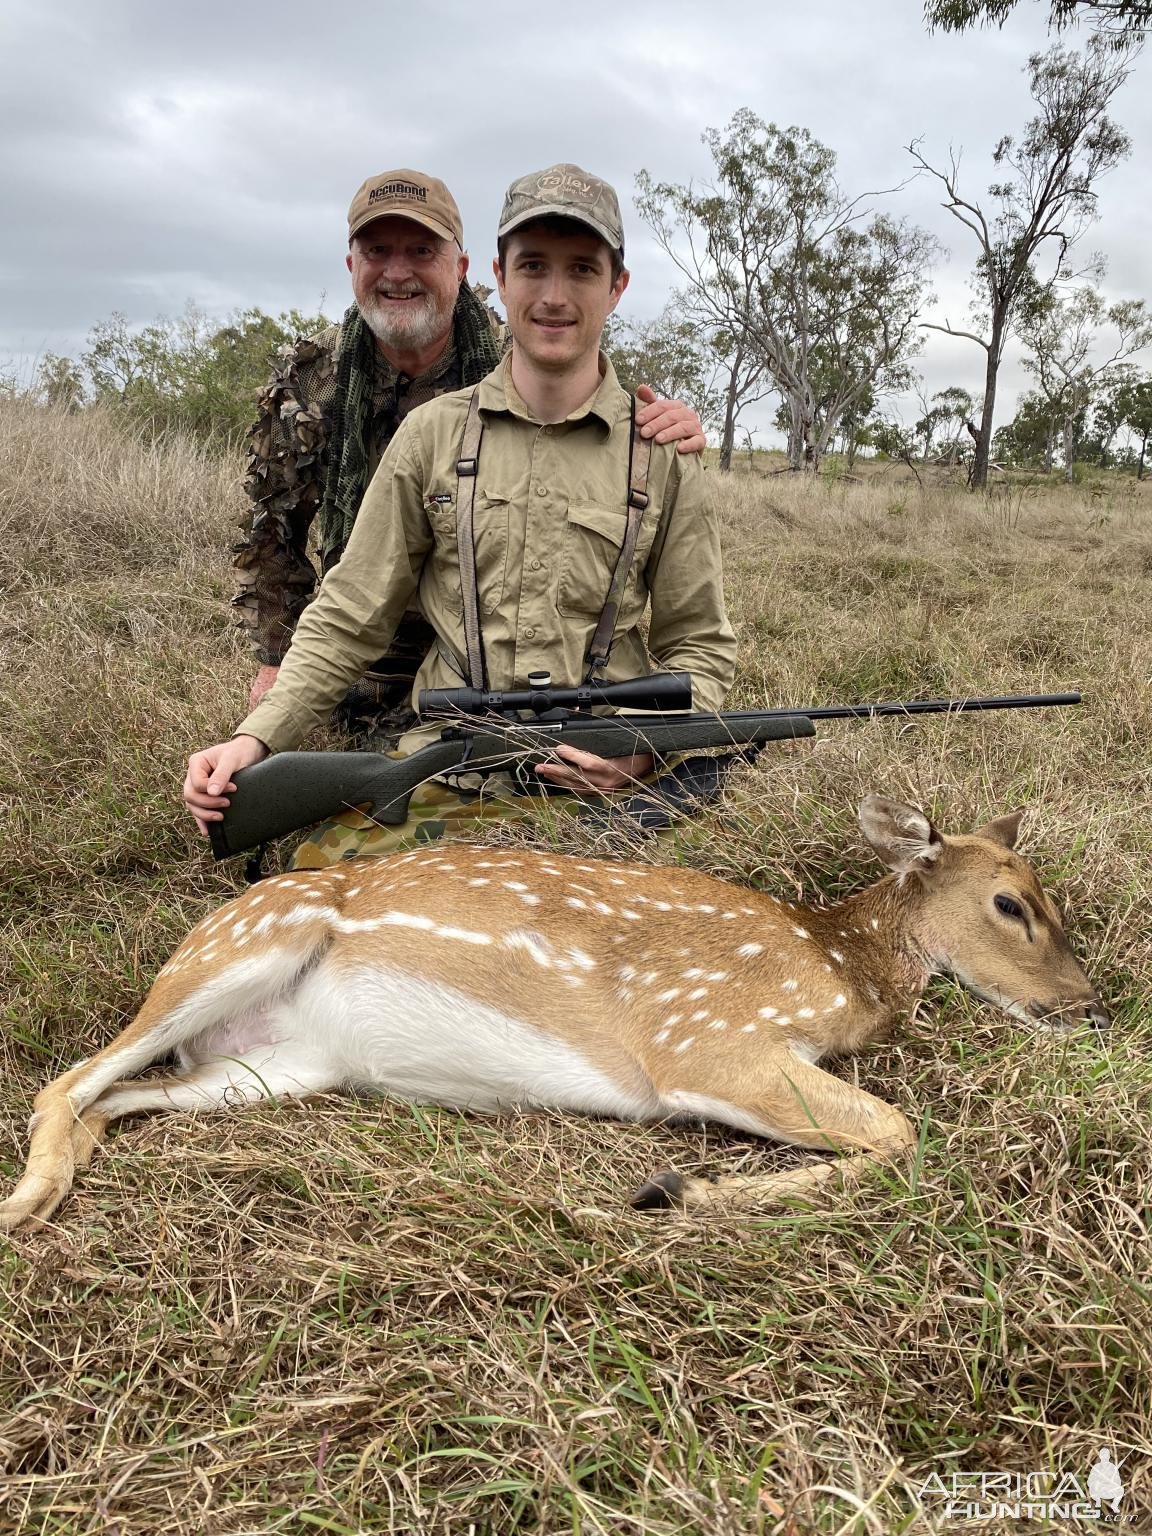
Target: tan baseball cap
[[570, 192], [412, 195]]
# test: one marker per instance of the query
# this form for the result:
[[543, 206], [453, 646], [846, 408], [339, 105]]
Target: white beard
[[418, 326]]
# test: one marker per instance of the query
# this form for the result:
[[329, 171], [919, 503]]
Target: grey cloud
[[155, 154]]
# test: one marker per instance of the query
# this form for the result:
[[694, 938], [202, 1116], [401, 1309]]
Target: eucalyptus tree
[[1136, 415], [793, 277], [1121, 21], [1044, 201], [1075, 345]]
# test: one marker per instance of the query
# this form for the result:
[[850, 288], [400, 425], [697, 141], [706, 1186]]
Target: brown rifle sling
[[466, 467], [639, 458]]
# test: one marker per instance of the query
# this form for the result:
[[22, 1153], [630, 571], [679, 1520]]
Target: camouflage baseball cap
[[570, 192], [411, 195]]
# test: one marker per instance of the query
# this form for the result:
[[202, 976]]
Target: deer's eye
[[1009, 907]]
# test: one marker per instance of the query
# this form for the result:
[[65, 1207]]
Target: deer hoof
[[663, 1191]]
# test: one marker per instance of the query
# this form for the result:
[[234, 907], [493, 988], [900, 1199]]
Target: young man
[[549, 508], [335, 401]]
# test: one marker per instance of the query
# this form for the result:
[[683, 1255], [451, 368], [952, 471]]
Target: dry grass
[[353, 1317]]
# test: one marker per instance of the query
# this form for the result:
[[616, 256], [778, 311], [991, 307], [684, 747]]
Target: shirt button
[[536, 564], [529, 634], [541, 490], [547, 431]]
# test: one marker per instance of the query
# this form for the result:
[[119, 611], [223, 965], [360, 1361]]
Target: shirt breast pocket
[[490, 541], [593, 538]]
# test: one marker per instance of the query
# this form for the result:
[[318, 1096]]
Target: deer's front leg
[[792, 1102]]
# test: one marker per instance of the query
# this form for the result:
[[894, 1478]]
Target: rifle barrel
[[935, 706]]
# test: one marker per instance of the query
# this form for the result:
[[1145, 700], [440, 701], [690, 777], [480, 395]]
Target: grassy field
[[367, 1317]]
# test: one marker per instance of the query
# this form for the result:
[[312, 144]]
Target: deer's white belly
[[396, 1033]]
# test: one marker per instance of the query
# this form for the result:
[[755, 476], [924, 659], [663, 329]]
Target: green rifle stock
[[295, 789]]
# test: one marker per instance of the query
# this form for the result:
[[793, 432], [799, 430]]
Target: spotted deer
[[494, 978]]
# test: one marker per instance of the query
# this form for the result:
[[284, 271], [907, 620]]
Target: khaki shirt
[[549, 522]]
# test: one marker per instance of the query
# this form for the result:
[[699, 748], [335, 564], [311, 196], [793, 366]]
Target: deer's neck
[[873, 937]]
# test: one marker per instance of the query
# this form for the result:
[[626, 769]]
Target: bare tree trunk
[[979, 476], [728, 437], [1049, 447], [1069, 448], [795, 435], [1140, 461], [811, 444]]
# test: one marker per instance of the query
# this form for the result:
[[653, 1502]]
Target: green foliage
[[188, 374], [670, 354], [1122, 21], [1028, 441], [1134, 407]]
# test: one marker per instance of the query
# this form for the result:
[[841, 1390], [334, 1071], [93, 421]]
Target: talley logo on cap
[[411, 195], [571, 193]]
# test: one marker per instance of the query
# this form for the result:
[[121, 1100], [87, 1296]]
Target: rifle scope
[[662, 691]]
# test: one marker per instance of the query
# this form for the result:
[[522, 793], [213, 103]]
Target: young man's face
[[405, 281], [557, 290]]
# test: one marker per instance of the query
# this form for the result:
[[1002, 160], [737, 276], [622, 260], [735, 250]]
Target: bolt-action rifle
[[516, 729]]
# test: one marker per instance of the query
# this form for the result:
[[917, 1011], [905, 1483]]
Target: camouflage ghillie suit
[[303, 481]]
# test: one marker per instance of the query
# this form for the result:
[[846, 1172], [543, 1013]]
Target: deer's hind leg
[[222, 1083], [796, 1103]]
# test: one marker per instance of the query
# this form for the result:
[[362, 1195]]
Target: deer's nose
[[1097, 1015]]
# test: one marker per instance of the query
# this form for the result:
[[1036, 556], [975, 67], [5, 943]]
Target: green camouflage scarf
[[349, 445]]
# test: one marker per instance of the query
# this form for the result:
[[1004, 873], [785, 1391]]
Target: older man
[[567, 548], [336, 400]]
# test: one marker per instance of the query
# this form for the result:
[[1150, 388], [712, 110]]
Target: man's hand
[[593, 775], [669, 421], [209, 780], [263, 680]]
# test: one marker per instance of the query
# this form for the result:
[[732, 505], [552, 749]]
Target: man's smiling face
[[558, 290], [405, 281]]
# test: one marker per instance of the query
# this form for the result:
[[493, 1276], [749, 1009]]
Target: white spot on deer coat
[[535, 945], [748, 950]]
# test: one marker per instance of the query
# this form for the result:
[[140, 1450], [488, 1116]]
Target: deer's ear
[[900, 834], [1004, 830]]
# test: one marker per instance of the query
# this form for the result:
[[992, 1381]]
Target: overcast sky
[[155, 154]]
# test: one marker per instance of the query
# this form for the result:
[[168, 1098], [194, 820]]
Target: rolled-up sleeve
[[361, 600], [690, 631]]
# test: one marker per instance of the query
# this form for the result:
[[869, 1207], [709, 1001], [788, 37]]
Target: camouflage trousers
[[436, 811], [439, 810]]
